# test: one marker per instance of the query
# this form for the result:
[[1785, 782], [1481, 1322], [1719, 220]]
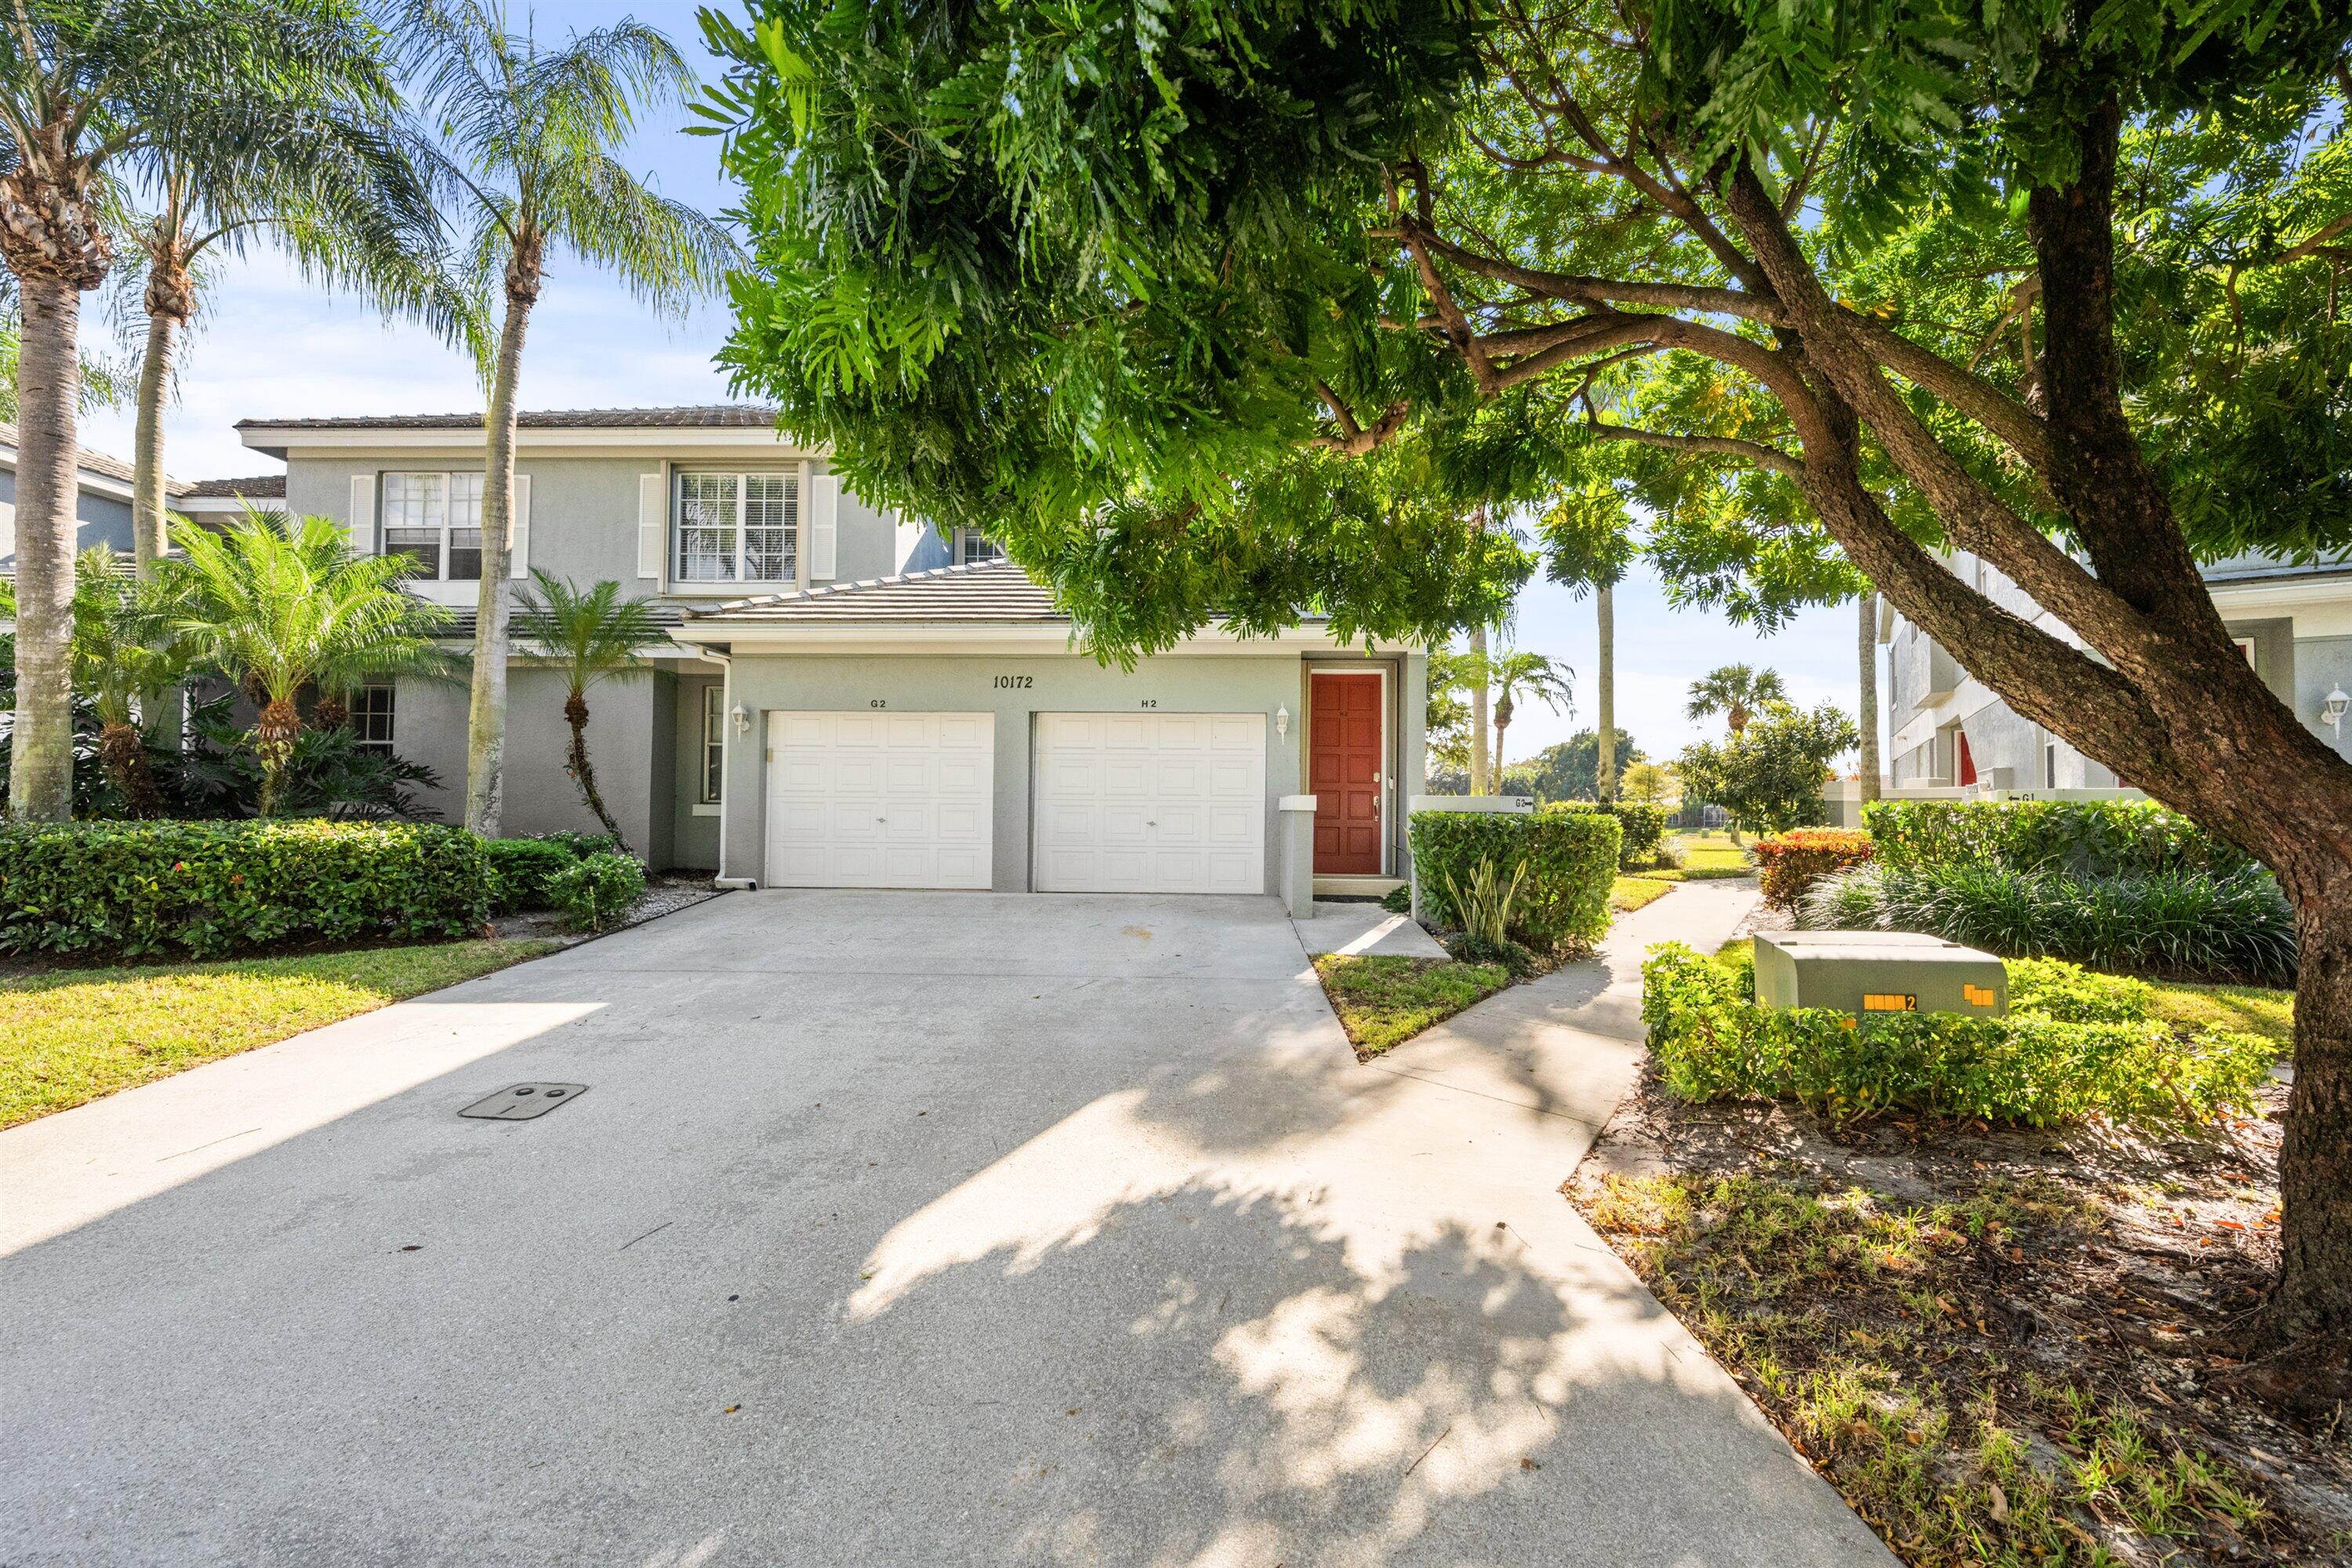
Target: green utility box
[[1871, 972]]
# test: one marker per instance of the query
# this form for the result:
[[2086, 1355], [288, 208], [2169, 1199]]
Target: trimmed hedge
[[1644, 826], [1793, 861], [596, 890], [2076, 838], [523, 870], [1710, 1043], [207, 888], [1570, 856]]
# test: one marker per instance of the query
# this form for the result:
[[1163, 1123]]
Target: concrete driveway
[[893, 1229]]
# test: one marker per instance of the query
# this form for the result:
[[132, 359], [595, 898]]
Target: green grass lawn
[[1630, 893], [1384, 1002], [1706, 856], [76, 1035]]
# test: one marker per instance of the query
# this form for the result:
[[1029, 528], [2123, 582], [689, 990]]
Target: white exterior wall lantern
[[2331, 708], [742, 717], [1282, 718]]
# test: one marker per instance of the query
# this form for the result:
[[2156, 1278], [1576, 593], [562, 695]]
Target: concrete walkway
[[911, 1229], [1363, 930]]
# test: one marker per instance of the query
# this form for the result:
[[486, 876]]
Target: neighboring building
[[1949, 733], [102, 506], [851, 699], [218, 504]]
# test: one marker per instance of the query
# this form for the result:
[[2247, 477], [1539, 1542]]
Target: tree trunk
[[485, 729], [273, 744], [1479, 780], [1735, 716], [123, 754], [575, 713], [149, 529], [1503, 710], [1604, 772], [1868, 760], [2310, 1308], [48, 387]]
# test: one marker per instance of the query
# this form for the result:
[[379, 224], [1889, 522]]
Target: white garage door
[[1151, 803], [881, 800]]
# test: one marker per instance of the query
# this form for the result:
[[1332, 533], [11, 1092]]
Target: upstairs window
[[973, 546], [436, 520], [737, 528]]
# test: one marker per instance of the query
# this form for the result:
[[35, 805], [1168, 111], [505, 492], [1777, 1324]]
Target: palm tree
[[128, 643], [330, 179], [1479, 671], [277, 605], [1604, 770], [529, 135], [1736, 691], [591, 637], [1536, 676], [93, 93]]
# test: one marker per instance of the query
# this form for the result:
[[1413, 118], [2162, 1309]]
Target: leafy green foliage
[[1710, 1043], [1570, 858], [1570, 770], [1769, 775], [2226, 925], [207, 888], [1736, 691], [1383, 1001], [523, 872], [1793, 861], [2073, 995], [597, 890], [2082, 838]]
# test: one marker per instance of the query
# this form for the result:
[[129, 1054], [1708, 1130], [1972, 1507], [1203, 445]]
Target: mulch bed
[[2139, 1261], [665, 894]]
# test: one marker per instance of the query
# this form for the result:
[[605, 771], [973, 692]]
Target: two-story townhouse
[[1948, 731], [102, 499], [851, 699]]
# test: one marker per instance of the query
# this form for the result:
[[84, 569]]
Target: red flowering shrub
[[1793, 861]]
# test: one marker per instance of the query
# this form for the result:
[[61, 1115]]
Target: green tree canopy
[[1204, 307], [1768, 776]]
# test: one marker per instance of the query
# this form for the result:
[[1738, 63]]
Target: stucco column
[[1298, 812]]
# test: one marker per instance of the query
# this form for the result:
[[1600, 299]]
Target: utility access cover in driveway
[[524, 1100]]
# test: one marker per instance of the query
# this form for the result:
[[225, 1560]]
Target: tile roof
[[713, 416], [460, 623], [94, 461], [261, 487], [982, 590]]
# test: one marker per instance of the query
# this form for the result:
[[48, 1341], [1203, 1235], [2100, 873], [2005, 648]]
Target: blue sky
[[270, 346]]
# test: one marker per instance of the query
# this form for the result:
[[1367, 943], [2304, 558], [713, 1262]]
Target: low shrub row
[[1793, 861], [2105, 838], [2232, 924], [2039, 1068], [202, 888], [1570, 857], [205, 888]]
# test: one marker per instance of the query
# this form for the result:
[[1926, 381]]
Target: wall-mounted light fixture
[[2331, 708], [742, 717], [1281, 720]]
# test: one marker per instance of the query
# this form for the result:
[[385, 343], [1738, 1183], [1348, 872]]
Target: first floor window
[[737, 528], [436, 520], [973, 546], [714, 744], [372, 711]]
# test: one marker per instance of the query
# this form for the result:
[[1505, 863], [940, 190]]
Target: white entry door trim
[[1149, 802], [880, 799]]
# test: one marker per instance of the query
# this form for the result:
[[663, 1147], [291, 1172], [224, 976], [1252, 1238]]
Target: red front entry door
[[1343, 770]]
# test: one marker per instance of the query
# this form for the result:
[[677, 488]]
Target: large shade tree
[[1826, 285], [94, 95], [531, 134]]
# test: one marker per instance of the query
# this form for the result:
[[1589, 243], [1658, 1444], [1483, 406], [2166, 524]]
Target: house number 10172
[[1016, 682]]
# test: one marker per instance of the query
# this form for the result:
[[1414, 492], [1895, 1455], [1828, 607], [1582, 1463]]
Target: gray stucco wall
[[583, 512], [1174, 683], [103, 518], [2322, 665], [429, 727]]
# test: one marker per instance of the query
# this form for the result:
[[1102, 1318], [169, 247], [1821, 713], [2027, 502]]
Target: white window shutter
[[363, 518], [652, 525], [519, 529], [825, 526]]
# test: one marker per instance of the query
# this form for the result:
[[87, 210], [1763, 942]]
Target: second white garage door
[[1151, 803], [881, 800]]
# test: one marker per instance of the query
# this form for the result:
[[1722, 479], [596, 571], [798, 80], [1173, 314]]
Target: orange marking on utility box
[[1889, 1002]]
